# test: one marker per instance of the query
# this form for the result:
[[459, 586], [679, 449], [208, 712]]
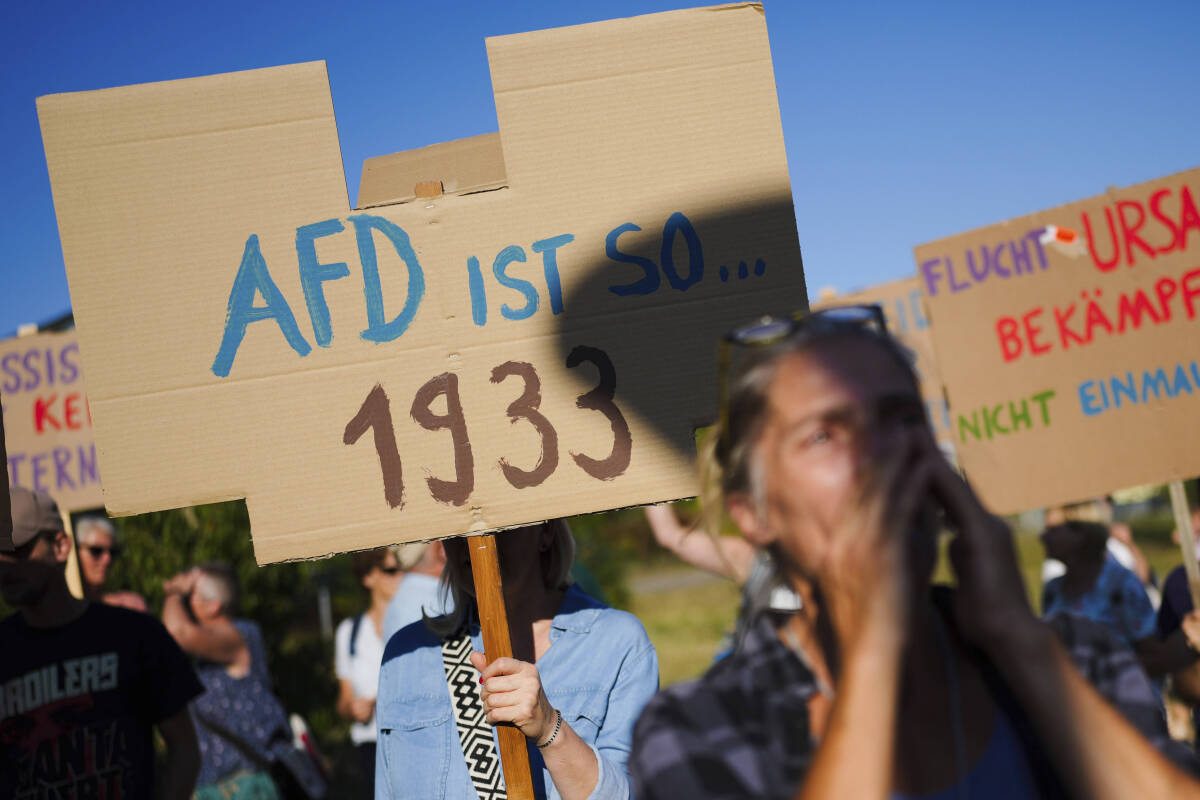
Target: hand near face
[[182, 583], [512, 692], [990, 601], [864, 573]]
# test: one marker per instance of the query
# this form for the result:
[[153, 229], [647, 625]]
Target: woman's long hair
[[458, 583]]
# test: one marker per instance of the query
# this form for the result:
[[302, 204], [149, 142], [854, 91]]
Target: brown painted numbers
[[375, 413]]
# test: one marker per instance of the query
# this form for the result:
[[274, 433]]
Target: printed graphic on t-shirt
[[61, 746]]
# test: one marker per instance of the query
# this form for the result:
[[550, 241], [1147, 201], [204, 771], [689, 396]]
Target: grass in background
[[686, 621], [686, 616]]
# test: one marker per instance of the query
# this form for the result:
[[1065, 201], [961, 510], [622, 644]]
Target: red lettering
[[1156, 211], [1103, 266], [1134, 311], [1190, 292], [1189, 217], [1006, 330], [1129, 231], [1033, 331], [71, 411], [1065, 334], [1165, 288], [1096, 318], [42, 415]]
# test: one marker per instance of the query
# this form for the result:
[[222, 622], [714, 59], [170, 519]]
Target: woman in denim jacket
[[581, 675]]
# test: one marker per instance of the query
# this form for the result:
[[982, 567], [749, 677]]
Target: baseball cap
[[32, 513]]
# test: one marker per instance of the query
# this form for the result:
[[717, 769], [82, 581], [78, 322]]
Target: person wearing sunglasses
[[98, 549], [878, 686], [83, 685], [358, 651]]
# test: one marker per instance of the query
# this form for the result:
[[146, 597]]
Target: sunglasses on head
[[768, 330], [97, 551]]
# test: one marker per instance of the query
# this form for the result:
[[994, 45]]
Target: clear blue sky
[[905, 121]]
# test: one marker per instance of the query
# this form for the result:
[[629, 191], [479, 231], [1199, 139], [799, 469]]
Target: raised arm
[[217, 641], [727, 556]]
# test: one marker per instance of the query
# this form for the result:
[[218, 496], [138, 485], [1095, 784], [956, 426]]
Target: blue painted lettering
[[548, 248], [678, 223], [378, 329], [478, 292], [505, 257], [1155, 382], [252, 279], [314, 274], [650, 279], [1087, 399]]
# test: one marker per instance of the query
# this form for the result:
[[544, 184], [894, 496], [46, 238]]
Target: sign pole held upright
[[5, 511], [1187, 539], [493, 618]]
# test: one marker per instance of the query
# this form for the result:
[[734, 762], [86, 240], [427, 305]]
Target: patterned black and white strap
[[474, 732]]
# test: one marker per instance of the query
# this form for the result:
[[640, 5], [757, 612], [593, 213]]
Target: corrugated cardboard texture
[[903, 307], [47, 426], [613, 134], [462, 166], [1100, 311]]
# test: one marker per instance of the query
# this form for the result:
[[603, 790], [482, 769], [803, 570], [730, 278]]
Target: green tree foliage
[[281, 598]]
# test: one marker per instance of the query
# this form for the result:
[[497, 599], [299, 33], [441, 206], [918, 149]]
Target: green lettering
[[972, 426], [991, 420], [1042, 398], [1023, 416]]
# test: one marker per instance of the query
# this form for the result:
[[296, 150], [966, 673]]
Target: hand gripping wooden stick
[[489, 595]]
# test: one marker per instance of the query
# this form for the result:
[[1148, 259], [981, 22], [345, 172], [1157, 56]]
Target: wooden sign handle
[[74, 569], [1187, 539], [489, 595]]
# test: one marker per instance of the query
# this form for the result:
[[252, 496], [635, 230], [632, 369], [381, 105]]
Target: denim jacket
[[599, 672]]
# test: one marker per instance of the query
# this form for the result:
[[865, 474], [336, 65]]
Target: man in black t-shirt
[[83, 684]]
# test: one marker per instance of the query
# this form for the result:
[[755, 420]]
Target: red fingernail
[[480, 679]]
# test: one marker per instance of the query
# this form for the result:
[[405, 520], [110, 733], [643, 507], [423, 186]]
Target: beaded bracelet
[[553, 736]]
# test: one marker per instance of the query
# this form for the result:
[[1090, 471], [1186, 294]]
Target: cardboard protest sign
[[903, 307], [5, 503], [474, 352], [1067, 342], [47, 424]]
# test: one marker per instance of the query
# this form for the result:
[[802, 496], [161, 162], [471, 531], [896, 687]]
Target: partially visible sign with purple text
[[47, 423]]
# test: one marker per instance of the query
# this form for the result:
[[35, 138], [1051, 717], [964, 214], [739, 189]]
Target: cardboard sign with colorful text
[[904, 310], [47, 424], [1068, 344], [468, 354], [5, 507]]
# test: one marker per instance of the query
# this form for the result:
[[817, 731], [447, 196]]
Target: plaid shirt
[[743, 729], [740, 731], [1112, 668]]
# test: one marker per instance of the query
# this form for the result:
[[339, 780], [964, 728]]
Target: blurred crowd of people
[[848, 674]]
